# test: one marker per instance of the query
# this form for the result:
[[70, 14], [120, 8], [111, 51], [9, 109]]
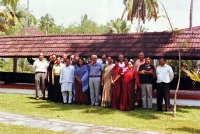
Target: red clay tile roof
[[197, 28], [153, 44], [31, 31]]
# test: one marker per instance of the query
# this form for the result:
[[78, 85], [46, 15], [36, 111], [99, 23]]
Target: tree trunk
[[138, 26], [27, 12], [179, 78], [125, 9], [47, 28], [191, 13]]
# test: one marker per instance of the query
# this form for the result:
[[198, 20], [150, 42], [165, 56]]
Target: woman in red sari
[[116, 83], [130, 83]]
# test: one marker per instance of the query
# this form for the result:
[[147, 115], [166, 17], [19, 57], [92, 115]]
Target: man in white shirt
[[164, 76], [121, 60], [66, 81], [40, 67]]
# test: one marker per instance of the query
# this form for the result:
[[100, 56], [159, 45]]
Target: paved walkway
[[65, 126]]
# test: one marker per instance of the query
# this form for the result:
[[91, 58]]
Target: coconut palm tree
[[141, 10], [11, 3], [45, 22], [119, 26]]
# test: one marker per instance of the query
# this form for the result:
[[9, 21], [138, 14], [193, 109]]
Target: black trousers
[[163, 92], [57, 89], [50, 90]]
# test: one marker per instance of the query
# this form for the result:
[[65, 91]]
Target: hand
[[52, 83], [113, 82], [80, 81], [122, 73], [135, 88]]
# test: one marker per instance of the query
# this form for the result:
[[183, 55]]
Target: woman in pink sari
[[130, 83], [116, 83]]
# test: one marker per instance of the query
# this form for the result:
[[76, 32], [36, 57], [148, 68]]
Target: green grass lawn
[[187, 120], [15, 129]]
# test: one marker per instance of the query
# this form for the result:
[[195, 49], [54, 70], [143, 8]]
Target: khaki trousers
[[40, 83]]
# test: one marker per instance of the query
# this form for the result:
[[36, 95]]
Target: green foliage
[[87, 26], [187, 64], [24, 66], [119, 26], [143, 9], [6, 65]]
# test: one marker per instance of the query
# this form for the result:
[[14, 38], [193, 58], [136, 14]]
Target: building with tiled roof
[[154, 44]]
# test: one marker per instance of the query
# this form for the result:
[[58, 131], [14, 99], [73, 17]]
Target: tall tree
[[119, 26], [11, 3], [191, 14], [45, 22], [141, 10]]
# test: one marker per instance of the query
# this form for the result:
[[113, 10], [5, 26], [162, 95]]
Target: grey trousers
[[40, 84], [94, 84], [146, 90]]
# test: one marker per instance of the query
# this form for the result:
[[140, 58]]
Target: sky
[[67, 12]]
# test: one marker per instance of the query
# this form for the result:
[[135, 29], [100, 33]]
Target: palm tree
[[119, 26], [46, 21], [191, 13], [141, 9], [11, 3]]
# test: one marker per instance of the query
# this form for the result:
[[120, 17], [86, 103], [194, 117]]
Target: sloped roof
[[153, 44], [31, 32], [197, 28]]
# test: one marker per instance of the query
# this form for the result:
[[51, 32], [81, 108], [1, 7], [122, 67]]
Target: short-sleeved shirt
[[95, 69], [148, 78]]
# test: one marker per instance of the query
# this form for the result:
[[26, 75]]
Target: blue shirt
[[95, 69]]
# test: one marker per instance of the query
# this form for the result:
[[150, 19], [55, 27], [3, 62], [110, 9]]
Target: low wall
[[10, 77]]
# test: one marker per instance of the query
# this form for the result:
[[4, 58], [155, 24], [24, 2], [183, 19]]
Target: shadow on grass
[[87, 109], [187, 129]]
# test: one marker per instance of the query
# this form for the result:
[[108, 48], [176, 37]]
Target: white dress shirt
[[164, 74], [40, 66], [121, 64]]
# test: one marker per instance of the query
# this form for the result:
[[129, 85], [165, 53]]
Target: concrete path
[[65, 126]]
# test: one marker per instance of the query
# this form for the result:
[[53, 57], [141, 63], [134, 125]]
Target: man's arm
[[171, 74]]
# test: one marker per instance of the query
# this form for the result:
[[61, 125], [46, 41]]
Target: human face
[[80, 62], [126, 61], [130, 65], [89, 60], [116, 63], [72, 57], [94, 59], [50, 58], [162, 62], [109, 60], [76, 58], [147, 61], [58, 61], [54, 57], [41, 56], [141, 56], [121, 58], [103, 59], [67, 62]]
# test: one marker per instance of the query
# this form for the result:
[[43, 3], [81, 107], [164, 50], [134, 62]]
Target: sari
[[127, 101], [116, 91], [107, 92], [81, 88]]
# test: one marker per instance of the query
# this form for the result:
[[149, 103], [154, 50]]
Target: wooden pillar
[[15, 64]]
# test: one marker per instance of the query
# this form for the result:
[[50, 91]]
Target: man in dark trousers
[[164, 76], [49, 78], [56, 80]]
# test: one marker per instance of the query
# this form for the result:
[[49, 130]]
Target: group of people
[[117, 83]]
